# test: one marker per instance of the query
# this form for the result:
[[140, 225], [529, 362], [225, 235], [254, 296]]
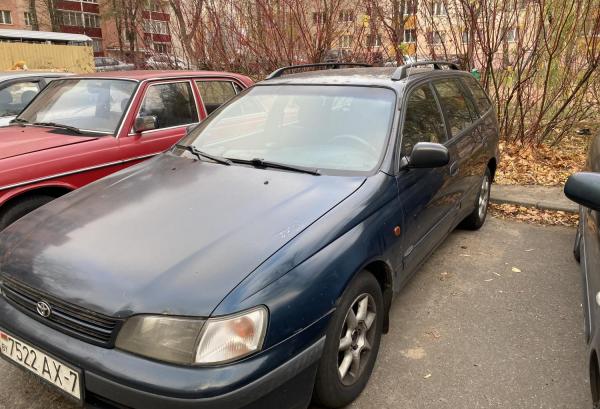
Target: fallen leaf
[[427, 376], [433, 333], [516, 270]]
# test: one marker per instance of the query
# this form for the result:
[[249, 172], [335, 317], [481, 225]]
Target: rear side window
[[455, 105], [479, 95], [215, 93], [423, 121], [173, 104]]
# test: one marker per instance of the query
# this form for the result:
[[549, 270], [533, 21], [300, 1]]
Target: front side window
[[88, 104], [455, 105], [15, 97], [215, 93], [172, 104], [423, 120], [338, 128]]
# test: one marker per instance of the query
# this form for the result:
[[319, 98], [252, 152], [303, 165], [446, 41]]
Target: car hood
[[18, 140], [173, 236]]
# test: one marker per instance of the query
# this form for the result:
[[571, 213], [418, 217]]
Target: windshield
[[87, 104], [343, 128]]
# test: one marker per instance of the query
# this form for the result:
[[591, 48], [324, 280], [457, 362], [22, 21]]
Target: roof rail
[[402, 71], [334, 65]]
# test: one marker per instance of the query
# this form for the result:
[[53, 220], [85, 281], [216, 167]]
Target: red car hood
[[16, 140]]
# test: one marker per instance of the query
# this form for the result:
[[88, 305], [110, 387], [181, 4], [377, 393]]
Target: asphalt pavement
[[492, 320]]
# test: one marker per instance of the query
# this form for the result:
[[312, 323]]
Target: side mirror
[[428, 155], [145, 123], [584, 188]]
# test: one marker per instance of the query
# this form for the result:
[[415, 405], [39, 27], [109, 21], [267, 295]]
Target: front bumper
[[280, 377]]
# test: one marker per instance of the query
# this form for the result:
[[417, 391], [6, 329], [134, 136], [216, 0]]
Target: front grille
[[71, 319]]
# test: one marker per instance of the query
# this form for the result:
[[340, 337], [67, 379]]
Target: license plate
[[52, 370]]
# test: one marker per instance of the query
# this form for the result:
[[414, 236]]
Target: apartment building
[[14, 14], [94, 18], [433, 29]]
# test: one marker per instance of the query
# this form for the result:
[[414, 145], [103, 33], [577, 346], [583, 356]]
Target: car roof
[[368, 76], [10, 75], [139, 75]]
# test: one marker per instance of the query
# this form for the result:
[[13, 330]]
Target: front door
[[175, 108], [423, 193]]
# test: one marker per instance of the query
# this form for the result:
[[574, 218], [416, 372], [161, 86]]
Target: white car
[[18, 88], [165, 62], [110, 64]]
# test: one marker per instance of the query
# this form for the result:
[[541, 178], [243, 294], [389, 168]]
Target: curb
[[542, 205]]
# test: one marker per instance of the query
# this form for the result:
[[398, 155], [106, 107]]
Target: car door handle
[[454, 169]]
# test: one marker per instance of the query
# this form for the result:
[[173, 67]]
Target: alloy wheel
[[356, 338], [484, 196]]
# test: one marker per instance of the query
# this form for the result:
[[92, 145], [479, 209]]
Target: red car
[[82, 128]]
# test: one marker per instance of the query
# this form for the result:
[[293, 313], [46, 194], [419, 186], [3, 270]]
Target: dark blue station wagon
[[252, 265]]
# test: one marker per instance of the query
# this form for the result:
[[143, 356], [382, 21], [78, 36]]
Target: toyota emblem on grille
[[43, 309]]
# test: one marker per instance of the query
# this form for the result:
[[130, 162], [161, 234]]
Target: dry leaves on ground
[[534, 215], [541, 165]]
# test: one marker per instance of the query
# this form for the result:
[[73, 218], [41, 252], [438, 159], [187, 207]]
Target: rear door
[[423, 193], [461, 122], [175, 107]]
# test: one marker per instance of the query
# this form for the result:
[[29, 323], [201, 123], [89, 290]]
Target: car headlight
[[190, 341]]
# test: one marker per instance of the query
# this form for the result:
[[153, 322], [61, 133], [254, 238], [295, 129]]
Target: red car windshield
[[96, 105]]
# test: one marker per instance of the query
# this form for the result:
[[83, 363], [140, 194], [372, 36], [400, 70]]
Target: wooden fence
[[72, 58]]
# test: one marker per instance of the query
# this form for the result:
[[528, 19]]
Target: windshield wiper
[[261, 163], [201, 154], [55, 125], [19, 121]]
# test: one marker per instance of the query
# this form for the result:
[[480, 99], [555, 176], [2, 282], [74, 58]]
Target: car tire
[[20, 208], [354, 331], [475, 220]]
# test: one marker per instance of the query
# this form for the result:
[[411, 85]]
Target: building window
[[410, 7], [438, 8], [28, 17], [152, 5], [346, 41], [161, 48], [436, 37], [91, 20], [156, 27], [318, 17], [410, 36], [512, 35], [347, 16], [76, 19], [5, 17], [71, 18], [465, 37], [97, 45], [374, 40]]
